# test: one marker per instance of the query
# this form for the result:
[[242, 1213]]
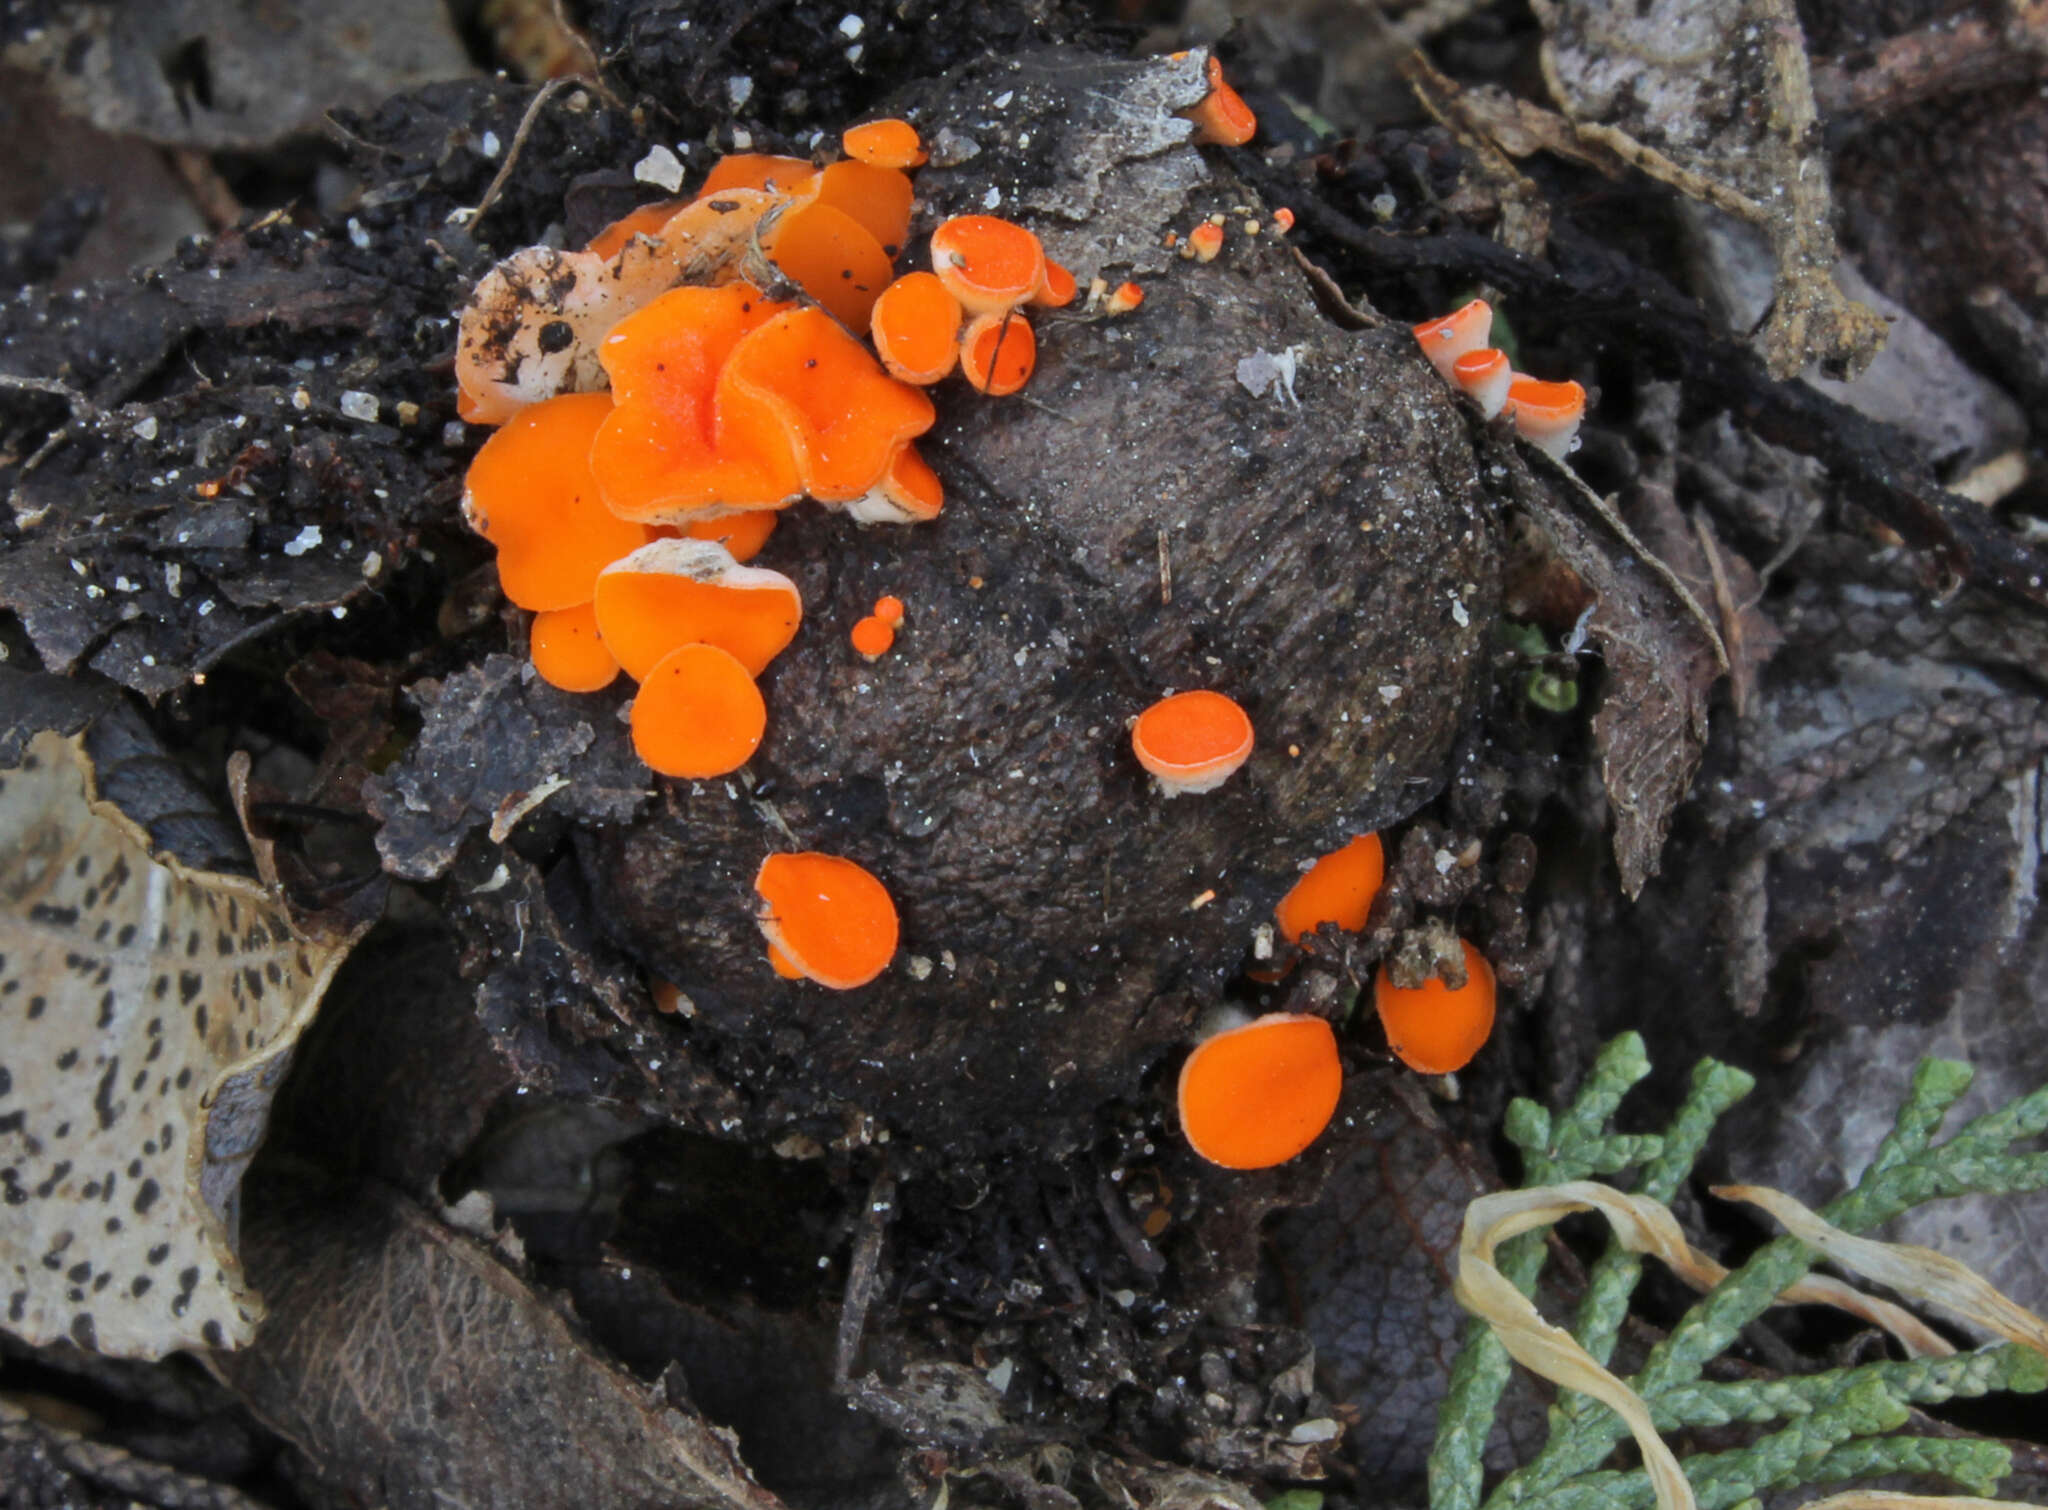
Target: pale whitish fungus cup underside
[[147, 1013]]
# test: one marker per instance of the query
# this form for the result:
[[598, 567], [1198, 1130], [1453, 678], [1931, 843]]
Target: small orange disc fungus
[[909, 493], [916, 328], [998, 353], [1222, 119], [1448, 337], [1547, 415], [1205, 241], [531, 494], [873, 636], [698, 714], [686, 592], [1192, 742], [1058, 289], [884, 144], [1485, 375], [1255, 1096], [757, 170], [827, 918], [1124, 298], [879, 198], [568, 652], [987, 263], [645, 221], [889, 609], [843, 418], [832, 257], [1339, 888], [1434, 1029]]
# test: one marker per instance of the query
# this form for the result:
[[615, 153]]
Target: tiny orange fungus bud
[[1205, 241], [1192, 742], [998, 353], [568, 652], [1257, 1095], [1283, 220], [698, 714], [884, 144], [1547, 415], [1123, 299], [889, 609], [1485, 375], [1339, 888], [873, 636], [827, 918], [1451, 336], [1222, 119], [1434, 1029]]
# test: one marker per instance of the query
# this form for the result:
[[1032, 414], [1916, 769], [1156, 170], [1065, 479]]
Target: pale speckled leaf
[[147, 1012]]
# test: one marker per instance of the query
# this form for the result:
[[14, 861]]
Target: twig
[[863, 1276], [547, 92], [83, 410]]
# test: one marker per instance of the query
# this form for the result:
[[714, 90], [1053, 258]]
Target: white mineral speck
[[739, 89], [1003, 99], [1459, 614], [372, 564], [491, 145], [303, 541], [357, 404], [145, 428], [1390, 693], [454, 434], [853, 53], [851, 26], [742, 141], [992, 198], [357, 236], [661, 168], [124, 584]]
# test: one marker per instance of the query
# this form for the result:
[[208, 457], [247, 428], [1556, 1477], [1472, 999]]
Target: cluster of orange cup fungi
[[701, 365], [1546, 415], [1261, 1091]]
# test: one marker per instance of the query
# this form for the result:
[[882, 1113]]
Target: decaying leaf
[[417, 1371], [1715, 100], [148, 1009]]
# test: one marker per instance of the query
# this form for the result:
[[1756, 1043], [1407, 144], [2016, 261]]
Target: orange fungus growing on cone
[[826, 918], [1435, 1028], [1255, 1096]]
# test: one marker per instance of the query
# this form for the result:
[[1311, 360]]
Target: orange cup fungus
[[757, 170], [568, 651], [879, 198], [886, 143], [1205, 242], [698, 714], [997, 353], [826, 919], [1547, 415], [670, 450], [1339, 888], [909, 493], [1434, 1028], [530, 493], [889, 609], [1257, 1095], [1485, 376], [1222, 119], [873, 636], [916, 328], [683, 592], [645, 221], [832, 257], [1459, 333], [1192, 742], [1057, 290], [742, 534], [988, 264]]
